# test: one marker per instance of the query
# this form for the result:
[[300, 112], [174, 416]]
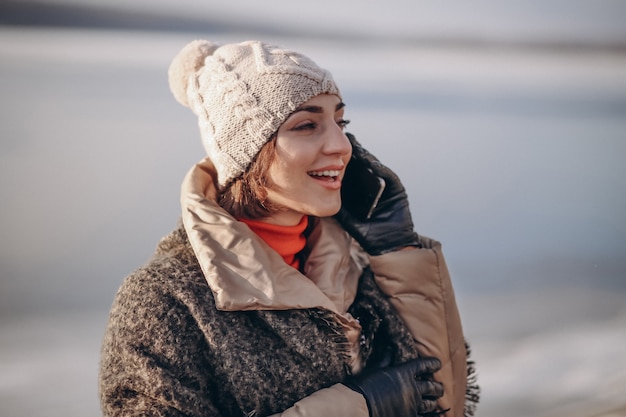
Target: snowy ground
[[534, 359], [512, 158], [549, 353]]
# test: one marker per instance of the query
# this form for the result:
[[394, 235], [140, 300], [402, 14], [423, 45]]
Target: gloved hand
[[390, 227], [402, 390]]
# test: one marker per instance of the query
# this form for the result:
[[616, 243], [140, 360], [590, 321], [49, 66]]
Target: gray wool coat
[[168, 351]]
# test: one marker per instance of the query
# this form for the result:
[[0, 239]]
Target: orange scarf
[[288, 241]]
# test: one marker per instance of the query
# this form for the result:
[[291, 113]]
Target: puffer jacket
[[217, 304]]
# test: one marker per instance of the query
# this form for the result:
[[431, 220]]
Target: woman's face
[[312, 152]]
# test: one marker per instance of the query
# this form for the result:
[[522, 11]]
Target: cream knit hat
[[241, 94]]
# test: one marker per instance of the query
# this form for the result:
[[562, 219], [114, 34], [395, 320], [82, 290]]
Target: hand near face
[[390, 226]]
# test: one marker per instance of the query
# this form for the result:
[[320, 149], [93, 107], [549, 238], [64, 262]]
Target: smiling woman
[[310, 145], [271, 297], [311, 155]]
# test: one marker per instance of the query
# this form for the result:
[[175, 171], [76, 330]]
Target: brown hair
[[246, 196]]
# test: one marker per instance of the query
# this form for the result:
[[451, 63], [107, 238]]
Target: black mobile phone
[[361, 189]]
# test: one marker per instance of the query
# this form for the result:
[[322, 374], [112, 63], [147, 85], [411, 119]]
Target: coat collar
[[244, 273]]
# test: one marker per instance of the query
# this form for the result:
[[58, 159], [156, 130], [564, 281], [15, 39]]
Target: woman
[[271, 298]]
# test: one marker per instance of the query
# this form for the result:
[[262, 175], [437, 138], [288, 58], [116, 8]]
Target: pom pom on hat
[[185, 64]]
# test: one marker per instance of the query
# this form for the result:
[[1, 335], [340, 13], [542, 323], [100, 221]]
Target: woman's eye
[[343, 123], [305, 126]]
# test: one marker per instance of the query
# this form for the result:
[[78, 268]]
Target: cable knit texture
[[241, 94]]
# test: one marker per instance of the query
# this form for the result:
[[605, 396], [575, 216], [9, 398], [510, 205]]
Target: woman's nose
[[337, 142]]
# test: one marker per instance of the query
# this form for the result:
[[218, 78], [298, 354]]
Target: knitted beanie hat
[[241, 94]]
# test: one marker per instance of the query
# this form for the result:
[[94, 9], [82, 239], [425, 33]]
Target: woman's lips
[[328, 177], [325, 174]]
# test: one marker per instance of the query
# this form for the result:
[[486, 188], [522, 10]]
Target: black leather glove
[[390, 227], [402, 390]]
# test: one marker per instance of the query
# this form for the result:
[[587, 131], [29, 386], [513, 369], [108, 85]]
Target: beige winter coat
[[417, 282]]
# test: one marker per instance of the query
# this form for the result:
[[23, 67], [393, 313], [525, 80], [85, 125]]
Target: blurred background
[[505, 119]]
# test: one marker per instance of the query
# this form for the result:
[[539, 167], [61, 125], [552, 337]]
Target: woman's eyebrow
[[310, 109], [318, 109]]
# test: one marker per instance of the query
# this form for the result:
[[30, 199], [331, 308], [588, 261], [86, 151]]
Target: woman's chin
[[327, 211]]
